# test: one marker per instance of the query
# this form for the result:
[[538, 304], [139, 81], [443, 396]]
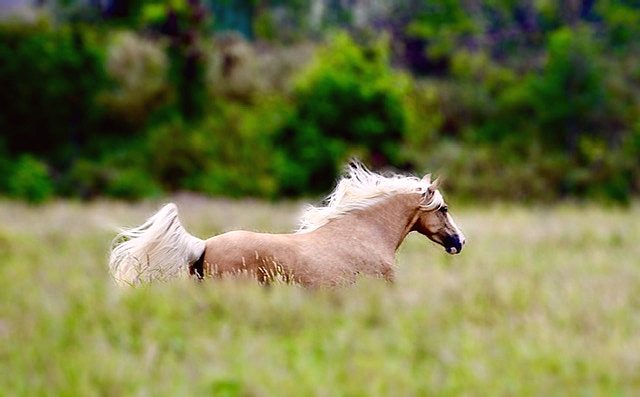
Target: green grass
[[543, 301]]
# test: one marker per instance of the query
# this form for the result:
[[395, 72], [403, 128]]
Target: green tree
[[50, 79], [349, 97]]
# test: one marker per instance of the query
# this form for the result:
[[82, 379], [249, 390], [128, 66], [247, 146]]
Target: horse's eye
[[444, 209]]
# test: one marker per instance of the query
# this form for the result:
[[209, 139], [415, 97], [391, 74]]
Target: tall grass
[[542, 301]]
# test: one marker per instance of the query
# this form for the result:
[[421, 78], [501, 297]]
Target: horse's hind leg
[[197, 267]]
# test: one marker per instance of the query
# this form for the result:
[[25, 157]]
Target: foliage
[[517, 100], [443, 24], [235, 70], [347, 98], [174, 155], [90, 179], [238, 71], [51, 78], [227, 153], [138, 69], [561, 122], [622, 20], [29, 180]]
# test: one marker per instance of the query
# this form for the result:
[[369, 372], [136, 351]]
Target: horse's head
[[435, 221]]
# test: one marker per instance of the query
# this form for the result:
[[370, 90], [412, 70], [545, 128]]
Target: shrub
[[51, 78], [173, 153], [237, 72], [131, 184], [348, 98], [238, 142], [229, 152], [90, 178], [139, 69], [29, 180], [233, 70]]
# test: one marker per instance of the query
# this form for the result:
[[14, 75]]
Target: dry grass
[[542, 301]]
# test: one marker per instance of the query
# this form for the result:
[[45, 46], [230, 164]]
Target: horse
[[357, 231]]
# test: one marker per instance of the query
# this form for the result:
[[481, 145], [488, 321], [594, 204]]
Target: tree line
[[511, 99]]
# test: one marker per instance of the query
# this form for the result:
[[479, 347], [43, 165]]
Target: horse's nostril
[[453, 244]]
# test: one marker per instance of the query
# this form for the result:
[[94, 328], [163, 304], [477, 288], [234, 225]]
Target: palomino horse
[[359, 230]]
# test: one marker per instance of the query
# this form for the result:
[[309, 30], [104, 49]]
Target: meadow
[[543, 301]]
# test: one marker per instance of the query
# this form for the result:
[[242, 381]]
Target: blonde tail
[[159, 249]]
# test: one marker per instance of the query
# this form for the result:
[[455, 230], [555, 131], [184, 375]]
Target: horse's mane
[[360, 188]]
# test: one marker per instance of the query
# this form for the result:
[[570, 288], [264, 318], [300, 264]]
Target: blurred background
[[525, 100]]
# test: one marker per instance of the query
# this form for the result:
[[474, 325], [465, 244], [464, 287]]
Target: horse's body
[[362, 242], [358, 232]]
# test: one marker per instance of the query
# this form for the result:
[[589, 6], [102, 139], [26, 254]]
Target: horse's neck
[[385, 224]]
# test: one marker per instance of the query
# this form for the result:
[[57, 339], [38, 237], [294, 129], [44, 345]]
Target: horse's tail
[[159, 249]]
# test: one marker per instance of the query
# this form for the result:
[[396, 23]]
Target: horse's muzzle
[[453, 244]]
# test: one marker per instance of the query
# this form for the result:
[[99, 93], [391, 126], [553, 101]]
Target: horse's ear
[[434, 185], [426, 179]]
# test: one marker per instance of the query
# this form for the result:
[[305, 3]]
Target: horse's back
[[239, 241]]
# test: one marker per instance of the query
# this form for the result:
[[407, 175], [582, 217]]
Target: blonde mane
[[361, 188]]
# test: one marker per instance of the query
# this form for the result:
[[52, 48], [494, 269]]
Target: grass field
[[543, 301]]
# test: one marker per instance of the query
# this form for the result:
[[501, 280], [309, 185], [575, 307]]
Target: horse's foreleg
[[389, 273]]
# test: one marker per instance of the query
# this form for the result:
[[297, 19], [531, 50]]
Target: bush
[[89, 179], [238, 72], [229, 152], [564, 128], [131, 184], [514, 102], [29, 180], [349, 98], [239, 146], [50, 78], [139, 70], [174, 153]]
